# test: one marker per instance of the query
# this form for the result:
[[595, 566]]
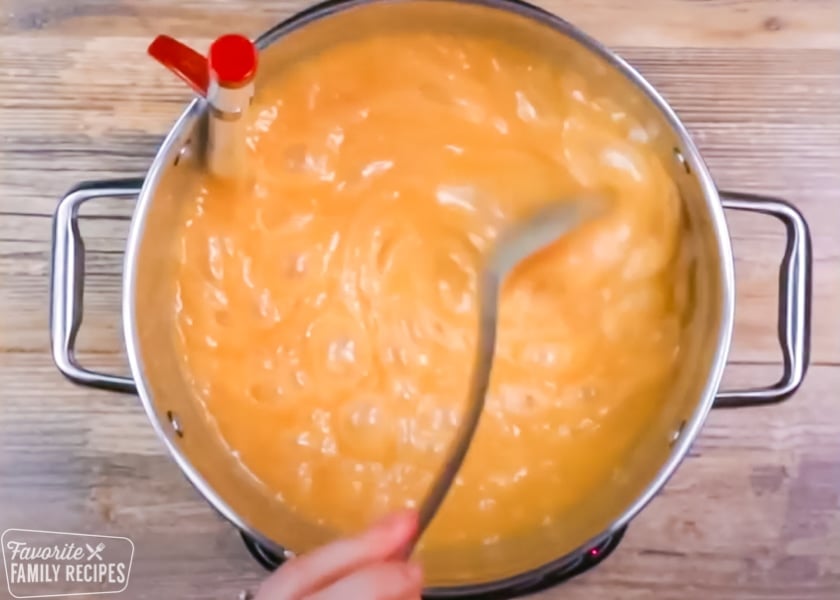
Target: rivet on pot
[[677, 433], [288, 555], [182, 153], [176, 424], [681, 159]]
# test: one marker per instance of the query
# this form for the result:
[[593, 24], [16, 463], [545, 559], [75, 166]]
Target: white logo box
[[50, 564]]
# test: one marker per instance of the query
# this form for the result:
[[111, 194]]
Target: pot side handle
[[67, 281], [794, 301]]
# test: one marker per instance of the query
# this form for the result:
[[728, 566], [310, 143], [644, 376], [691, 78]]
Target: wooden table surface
[[754, 512]]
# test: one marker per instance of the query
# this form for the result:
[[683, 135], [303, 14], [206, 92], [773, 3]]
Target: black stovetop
[[529, 583]]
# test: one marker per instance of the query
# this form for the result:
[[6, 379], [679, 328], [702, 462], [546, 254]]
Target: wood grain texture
[[753, 513]]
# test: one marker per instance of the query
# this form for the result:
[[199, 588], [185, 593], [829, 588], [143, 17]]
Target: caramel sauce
[[326, 311]]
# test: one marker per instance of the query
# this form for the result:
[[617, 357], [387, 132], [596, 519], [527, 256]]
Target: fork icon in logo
[[95, 552]]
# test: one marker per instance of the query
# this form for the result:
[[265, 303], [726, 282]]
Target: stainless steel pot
[[174, 415]]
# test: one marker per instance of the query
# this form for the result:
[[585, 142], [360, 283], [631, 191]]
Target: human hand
[[365, 567]]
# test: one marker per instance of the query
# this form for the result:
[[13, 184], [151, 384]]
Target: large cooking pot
[[175, 416]]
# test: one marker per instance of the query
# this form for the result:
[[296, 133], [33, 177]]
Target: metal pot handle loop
[[67, 281], [794, 301]]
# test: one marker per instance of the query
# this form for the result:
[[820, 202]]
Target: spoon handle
[[480, 382]]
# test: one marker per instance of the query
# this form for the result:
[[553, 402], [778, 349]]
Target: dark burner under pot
[[527, 583]]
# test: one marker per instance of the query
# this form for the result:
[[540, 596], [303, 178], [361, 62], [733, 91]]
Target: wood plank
[[661, 23]]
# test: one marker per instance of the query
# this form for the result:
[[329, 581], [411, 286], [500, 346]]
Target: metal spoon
[[524, 238]]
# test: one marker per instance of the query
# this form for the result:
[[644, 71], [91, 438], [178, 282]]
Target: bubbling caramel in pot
[[326, 312]]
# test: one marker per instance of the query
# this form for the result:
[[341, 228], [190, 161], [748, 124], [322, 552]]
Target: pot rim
[[691, 156]]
